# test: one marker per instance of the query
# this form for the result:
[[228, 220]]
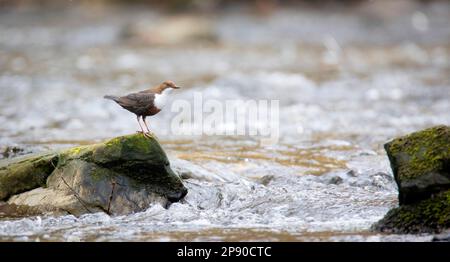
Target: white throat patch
[[161, 99]]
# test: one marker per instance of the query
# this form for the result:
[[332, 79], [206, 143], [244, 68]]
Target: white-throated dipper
[[145, 103]]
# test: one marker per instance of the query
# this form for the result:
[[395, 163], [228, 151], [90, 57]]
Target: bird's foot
[[151, 135], [147, 134]]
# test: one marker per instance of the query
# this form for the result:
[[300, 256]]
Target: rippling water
[[343, 92]]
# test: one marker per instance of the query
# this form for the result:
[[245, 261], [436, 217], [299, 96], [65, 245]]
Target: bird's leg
[[142, 129], [145, 123]]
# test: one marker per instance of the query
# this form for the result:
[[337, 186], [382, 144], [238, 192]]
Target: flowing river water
[[346, 81]]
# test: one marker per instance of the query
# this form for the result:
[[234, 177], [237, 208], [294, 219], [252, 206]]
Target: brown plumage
[[145, 103]]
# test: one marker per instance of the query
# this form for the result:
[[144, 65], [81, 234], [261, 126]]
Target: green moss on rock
[[124, 174], [420, 163], [421, 166], [132, 147], [79, 152], [423, 151], [23, 174], [427, 216]]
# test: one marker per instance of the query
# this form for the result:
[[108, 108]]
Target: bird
[[145, 103]]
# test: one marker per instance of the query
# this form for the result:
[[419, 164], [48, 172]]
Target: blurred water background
[[349, 75]]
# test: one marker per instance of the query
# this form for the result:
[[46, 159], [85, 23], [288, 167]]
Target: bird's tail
[[114, 98]]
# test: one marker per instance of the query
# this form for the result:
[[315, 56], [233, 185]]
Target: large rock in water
[[421, 163], [120, 176], [421, 166], [427, 216]]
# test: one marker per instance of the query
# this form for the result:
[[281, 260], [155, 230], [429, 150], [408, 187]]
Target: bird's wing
[[140, 99], [137, 102]]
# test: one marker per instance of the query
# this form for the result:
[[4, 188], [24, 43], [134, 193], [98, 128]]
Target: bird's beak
[[177, 87]]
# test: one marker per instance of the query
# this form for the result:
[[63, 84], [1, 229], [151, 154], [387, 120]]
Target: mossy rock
[[428, 216], [120, 176], [25, 173], [421, 163]]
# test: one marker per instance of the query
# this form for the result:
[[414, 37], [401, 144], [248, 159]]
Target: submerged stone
[[123, 175]]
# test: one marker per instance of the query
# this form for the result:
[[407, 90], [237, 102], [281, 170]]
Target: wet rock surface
[[20, 175], [428, 216], [12, 151], [120, 176], [420, 163]]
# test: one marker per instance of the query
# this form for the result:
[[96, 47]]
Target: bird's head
[[165, 87], [169, 84]]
